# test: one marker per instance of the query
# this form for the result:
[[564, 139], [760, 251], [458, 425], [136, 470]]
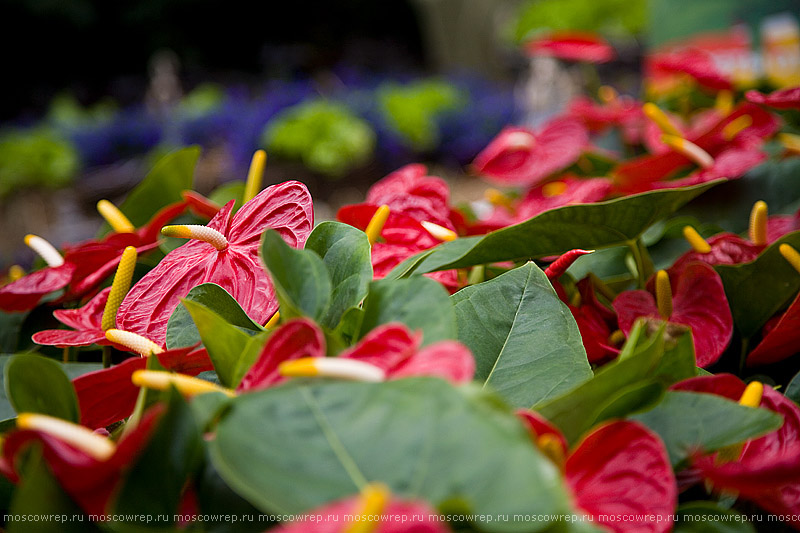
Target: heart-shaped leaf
[[526, 343], [36, 384]]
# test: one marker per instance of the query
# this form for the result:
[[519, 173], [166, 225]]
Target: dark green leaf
[[759, 289], [420, 303], [707, 517], [640, 396], [526, 343], [793, 389], [181, 329], [345, 251], [688, 421], [307, 445], [600, 225], [36, 384], [301, 279], [226, 344], [40, 504], [155, 482], [10, 326]]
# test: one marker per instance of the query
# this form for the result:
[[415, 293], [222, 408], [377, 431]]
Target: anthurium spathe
[[375, 510], [87, 465], [692, 62], [766, 470], [520, 156], [615, 110], [619, 469], [561, 192], [788, 98], [571, 46], [224, 252], [86, 322], [391, 351], [698, 301]]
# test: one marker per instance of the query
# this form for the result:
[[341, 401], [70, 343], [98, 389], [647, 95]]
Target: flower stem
[[106, 356], [644, 265]]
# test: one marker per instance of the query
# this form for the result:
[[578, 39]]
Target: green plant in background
[[66, 111], [614, 17], [326, 136], [202, 100], [35, 158], [412, 110]]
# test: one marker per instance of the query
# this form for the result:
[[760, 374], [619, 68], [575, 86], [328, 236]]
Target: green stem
[[644, 265], [65, 355], [106, 356]]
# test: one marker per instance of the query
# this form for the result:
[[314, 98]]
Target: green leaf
[[306, 445], [345, 251], [601, 225], [526, 343], [759, 289], [420, 303], [576, 411], [181, 330], [793, 389], [640, 396], [163, 185], [155, 482], [36, 384], [225, 343], [233, 190], [10, 327], [688, 421], [301, 279], [40, 496], [707, 517]]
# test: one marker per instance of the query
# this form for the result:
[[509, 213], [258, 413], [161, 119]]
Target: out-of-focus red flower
[[619, 468], [384, 512], [623, 112], [699, 302], [767, 470], [783, 99], [693, 62], [390, 351], [88, 478], [235, 265], [571, 46], [566, 191], [519, 156]]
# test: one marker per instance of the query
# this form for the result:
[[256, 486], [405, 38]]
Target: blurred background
[[338, 93]]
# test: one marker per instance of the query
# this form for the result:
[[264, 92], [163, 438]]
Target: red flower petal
[[572, 46], [448, 360], [411, 192], [622, 468], [287, 208], [88, 317], [25, 293], [538, 425], [783, 99], [68, 337], [108, 395], [518, 156], [578, 191], [386, 346], [295, 339], [694, 62], [726, 249], [782, 341]]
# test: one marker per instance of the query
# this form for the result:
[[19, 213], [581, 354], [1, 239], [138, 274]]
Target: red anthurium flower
[[699, 302], [766, 470], [622, 112], [730, 164], [566, 191], [297, 349], [226, 255], [375, 507], [88, 466], [783, 99], [619, 468], [519, 156], [571, 46], [780, 337], [692, 62], [86, 322], [108, 395]]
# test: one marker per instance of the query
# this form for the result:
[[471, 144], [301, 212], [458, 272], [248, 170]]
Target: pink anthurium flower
[[619, 468], [87, 465], [223, 252], [788, 98], [571, 46], [765, 470], [375, 509], [519, 156], [391, 351], [699, 302]]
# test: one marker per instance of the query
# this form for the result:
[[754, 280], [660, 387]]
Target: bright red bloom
[[783, 99], [567, 191], [108, 395], [767, 471], [285, 208], [397, 516], [781, 337], [726, 249], [623, 112], [595, 322], [619, 468], [86, 322], [391, 348], [89, 481], [25, 293], [699, 302], [571, 46], [519, 156], [730, 164], [691, 61]]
